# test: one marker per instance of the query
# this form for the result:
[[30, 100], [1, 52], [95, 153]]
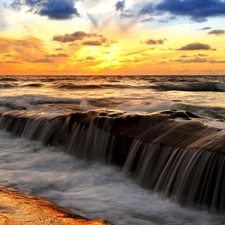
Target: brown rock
[[17, 208]]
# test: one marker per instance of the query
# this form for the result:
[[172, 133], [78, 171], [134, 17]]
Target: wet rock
[[17, 208]]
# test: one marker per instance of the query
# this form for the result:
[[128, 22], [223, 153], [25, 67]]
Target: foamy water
[[91, 190]]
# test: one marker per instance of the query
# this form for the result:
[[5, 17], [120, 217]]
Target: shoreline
[[18, 208]]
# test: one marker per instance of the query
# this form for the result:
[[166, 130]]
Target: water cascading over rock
[[180, 158]]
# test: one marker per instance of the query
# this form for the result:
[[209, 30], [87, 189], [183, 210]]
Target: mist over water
[[93, 189]]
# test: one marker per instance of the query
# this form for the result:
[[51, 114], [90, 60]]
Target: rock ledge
[[17, 208]]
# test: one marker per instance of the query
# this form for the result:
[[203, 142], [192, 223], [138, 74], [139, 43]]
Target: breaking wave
[[195, 87]]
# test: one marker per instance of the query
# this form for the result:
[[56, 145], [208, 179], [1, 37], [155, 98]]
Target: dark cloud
[[90, 39], [216, 61], [199, 60], [57, 55], [127, 15], [90, 58], [155, 42], [217, 32], [150, 19], [184, 56], [43, 60], [201, 55], [120, 5], [167, 19], [12, 62], [147, 9], [53, 9], [59, 49], [195, 46], [59, 10], [197, 10], [197, 55], [8, 56], [206, 28], [195, 60], [79, 35], [92, 43]]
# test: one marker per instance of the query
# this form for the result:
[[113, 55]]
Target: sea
[[97, 189]]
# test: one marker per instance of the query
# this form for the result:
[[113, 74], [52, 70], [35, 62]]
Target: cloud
[[120, 5], [53, 9], [217, 32], [184, 56], [197, 10], [89, 39], [127, 15], [155, 42], [195, 60], [59, 49], [195, 46], [216, 61], [26, 48], [199, 60], [201, 55], [79, 35], [90, 58], [13, 62], [57, 55], [92, 43], [150, 19], [43, 60], [206, 28], [8, 55]]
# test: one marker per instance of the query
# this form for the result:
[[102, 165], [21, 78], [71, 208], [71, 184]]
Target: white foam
[[92, 190], [214, 123]]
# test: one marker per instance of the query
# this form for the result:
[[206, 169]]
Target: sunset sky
[[81, 37]]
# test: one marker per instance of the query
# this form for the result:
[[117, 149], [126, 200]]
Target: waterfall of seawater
[[190, 176]]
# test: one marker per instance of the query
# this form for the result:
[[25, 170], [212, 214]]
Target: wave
[[5, 86], [100, 86], [54, 101], [33, 85], [196, 87], [74, 86], [12, 106], [8, 79], [51, 79]]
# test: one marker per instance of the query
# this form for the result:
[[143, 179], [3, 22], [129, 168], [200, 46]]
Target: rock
[[17, 208]]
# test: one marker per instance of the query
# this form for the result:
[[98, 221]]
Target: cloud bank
[[88, 39], [155, 42], [53, 9], [195, 46], [217, 32], [197, 10]]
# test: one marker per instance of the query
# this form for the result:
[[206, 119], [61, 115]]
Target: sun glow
[[106, 38]]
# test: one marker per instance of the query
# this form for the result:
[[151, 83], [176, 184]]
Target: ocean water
[[202, 95], [94, 189]]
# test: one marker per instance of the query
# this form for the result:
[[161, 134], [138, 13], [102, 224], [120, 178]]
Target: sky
[[99, 37]]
